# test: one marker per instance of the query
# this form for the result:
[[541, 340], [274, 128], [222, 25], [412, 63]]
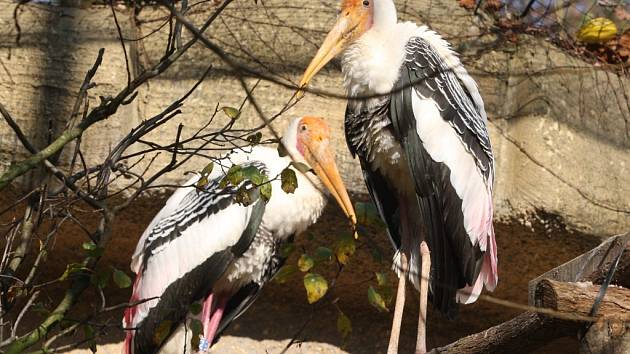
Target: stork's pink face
[[311, 138], [355, 18]]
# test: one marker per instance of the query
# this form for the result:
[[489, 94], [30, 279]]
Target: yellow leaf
[[231, 112], [597, 30], [208, 169], [345, 249], [316, 287], [288, 180], [344, 326], [376, 299], [381, 278], [305, 263], [285, 273]]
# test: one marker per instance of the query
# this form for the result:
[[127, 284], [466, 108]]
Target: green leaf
[[255, 138], [387, 293], [208, 169], [89, 246], [195, 308], [289, 180], [202, 182], [100, 278], [345, 249], [305, 263], [316, 287], [243, 196], [92, 249], [344, 326], [323, 254], [121, 279], [231, 112], [282, 151], [235, 175], [376, 300], [381, 278], [253, 174], [265, 190], [88, 333], [285, 273], [162, 331], [196, 327]]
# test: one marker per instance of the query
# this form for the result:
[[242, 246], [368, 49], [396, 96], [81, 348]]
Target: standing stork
[[417, 122], [205, 247]]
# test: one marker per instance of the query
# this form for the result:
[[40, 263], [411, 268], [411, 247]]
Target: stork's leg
[[399, 307], [421, 341], [211, 319]]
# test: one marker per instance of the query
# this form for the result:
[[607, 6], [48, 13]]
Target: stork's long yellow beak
[[352, 22], [335, 43], [319, 156]]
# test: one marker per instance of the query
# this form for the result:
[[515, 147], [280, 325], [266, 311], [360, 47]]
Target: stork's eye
[[366, 3]]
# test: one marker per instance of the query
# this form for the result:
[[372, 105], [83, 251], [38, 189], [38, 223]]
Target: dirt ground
[[282, 310]]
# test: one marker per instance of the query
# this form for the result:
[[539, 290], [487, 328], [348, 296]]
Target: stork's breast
[[388, 157]]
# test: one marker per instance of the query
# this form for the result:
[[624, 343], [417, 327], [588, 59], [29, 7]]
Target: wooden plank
[[584, 267], [576, 299]]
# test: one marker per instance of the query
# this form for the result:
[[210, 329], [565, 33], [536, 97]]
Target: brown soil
[[524, 253]]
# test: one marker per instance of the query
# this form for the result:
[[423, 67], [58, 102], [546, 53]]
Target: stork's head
[[356, 17], [307, 140]]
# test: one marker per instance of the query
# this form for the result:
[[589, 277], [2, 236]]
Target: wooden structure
[[561, 303]]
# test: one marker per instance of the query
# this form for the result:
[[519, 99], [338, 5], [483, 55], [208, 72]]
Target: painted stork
[[205, 247], [417, 122]]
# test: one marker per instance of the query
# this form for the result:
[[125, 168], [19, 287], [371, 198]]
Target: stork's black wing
[[453, 198], [246, 295], [185, 254]]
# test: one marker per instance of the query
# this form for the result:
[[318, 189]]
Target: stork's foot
[[399, 307], [421, 341]]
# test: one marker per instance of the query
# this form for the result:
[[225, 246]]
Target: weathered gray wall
[[559, 126]]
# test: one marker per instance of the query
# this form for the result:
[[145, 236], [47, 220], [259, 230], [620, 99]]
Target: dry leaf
[[622, 14], [623, 47], [467, 4], [492, 5]]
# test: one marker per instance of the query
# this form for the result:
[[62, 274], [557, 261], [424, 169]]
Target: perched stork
[[417, 122], [203, 247]]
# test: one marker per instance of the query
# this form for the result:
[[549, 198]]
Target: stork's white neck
[[371, 65], [384, 14]]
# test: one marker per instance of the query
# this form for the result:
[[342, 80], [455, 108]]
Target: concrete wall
[[559, 126]]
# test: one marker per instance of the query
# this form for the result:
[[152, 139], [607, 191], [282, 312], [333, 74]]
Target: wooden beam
[[606, 337], [532, 330], [522, 334], [591, 266], [578, 298]]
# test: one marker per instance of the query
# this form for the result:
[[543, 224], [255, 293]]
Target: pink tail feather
[[488, 276], [130, 313]]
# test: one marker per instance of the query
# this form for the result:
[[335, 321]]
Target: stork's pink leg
[[211, 319], [421, 341], [399, 307]]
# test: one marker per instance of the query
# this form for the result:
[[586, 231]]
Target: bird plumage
[[205, 243], [416, 120], [429, 138]]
